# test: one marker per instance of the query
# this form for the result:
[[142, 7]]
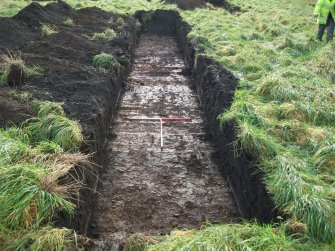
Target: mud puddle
[[152, 190]]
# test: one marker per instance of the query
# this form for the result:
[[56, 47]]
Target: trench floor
[[152, 190]]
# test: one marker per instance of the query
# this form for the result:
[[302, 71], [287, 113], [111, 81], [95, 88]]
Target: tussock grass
[[7, 61], [36, 180], [47, 30], [107, 62], [68, 22], [23, 201], [105, 36], [324, 157], [52, 125], [21, 97], [284, 108], [35, 70], [49, 147], [120, 22], [46, 238], [232, 237], [12, 149]]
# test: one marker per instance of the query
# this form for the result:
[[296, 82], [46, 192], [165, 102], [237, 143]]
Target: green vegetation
[[51, 124], [21, 97], [232, 237], [11, 7], [107, 62], [120, 22], [47, 30], [7, 61], [14, 59], [46, 238], [35, 70], [105, 36], [284, 107], [68, 22], [33, 158]]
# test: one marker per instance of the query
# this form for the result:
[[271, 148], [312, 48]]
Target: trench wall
[[215, 87], [99, 132]]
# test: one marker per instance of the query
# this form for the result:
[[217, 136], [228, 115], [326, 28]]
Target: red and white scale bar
[[161, 122]]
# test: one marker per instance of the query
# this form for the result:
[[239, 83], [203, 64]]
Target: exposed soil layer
[[152, 190], [13, 111], [89, 94], [192, 4]]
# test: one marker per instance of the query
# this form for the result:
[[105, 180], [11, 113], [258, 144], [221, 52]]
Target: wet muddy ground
[[152, 190]]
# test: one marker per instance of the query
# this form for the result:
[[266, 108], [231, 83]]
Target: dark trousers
[[330, 29]]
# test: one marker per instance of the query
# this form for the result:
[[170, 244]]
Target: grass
[[23, 97], [35, 70], [36, 181], [12, 149], [284, 106], [230, 237], [52, 125], [105, 36], [68, 22], [120, 22], [15, 59], [24, 202], [7, 61], [47, 30], [46, 238], [9, 8], [107, 62]]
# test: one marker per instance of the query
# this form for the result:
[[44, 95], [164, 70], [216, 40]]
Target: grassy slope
[[285, 103], [230, 237], [33, 158], [11, 7]]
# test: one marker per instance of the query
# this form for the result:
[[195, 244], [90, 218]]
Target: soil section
[[152, 190]]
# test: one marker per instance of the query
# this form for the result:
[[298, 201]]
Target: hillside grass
[[284, 106], [228, 237], [9, 8], [35, 180]]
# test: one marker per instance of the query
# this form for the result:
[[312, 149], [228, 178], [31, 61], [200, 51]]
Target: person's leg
[[330, 28], [321, 31]]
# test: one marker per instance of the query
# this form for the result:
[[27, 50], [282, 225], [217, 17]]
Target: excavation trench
[[147, 188]]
